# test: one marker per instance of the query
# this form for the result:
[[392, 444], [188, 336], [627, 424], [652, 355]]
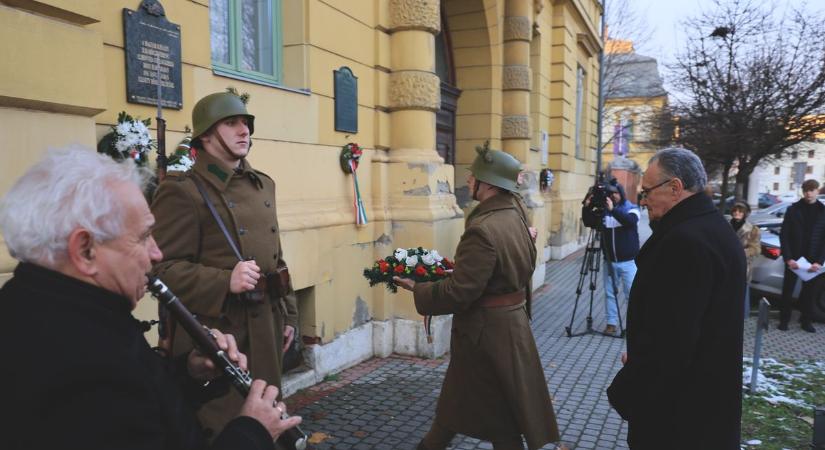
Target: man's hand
[[624, 358], [404, 283], [202, 368], [792, 264], [289, 336], [814, 267], [244, 277], [609, 202], [533, 232], [261, 405], [587, 200]]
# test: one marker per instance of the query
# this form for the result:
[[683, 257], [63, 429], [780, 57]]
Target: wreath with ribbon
[[349, 159]]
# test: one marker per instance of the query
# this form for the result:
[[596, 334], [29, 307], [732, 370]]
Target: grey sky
[[664, 18]]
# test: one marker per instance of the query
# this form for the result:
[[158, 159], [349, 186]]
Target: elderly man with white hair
[[681, 385], [79, 372]]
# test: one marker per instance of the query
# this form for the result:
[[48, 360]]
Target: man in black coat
[[681, 384], [78, 371], [801, 237]]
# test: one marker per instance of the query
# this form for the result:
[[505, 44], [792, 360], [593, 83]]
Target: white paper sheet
[[802, 272]]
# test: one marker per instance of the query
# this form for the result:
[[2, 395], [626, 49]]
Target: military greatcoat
[[198, 261], [494, 388]]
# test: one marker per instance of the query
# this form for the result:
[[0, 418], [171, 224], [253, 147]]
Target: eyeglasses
[[645, 192]]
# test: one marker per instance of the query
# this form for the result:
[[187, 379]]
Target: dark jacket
[[682, 385], [620, 235], [792, 238], [494, 387], [79, 374]]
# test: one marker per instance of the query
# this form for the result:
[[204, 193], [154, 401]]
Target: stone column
[[420, 186], [516, 130], [516, 78]]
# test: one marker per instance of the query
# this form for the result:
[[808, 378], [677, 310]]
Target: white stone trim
[[376, 338], [538, 276], [562, 251]]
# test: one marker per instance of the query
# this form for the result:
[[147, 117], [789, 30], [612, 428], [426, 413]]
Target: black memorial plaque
[[151, 39], [346, 100]]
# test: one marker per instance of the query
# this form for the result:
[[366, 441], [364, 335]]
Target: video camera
[[598, 195]]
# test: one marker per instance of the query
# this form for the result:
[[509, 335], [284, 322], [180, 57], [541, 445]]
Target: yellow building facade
[[635, 98], [435, 79]]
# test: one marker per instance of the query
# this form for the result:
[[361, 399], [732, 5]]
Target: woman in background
[[750, 236]]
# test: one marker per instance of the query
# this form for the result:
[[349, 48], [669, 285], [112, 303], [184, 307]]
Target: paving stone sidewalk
[[389, 403]]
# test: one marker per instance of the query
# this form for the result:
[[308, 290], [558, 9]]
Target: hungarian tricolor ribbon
[[358, 204]]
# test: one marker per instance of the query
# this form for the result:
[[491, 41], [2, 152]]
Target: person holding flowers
[[494, 388]]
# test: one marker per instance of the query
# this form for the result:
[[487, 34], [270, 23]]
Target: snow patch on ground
[[775, 379]]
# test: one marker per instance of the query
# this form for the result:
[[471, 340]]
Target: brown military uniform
[[198, 262], [494, 388]]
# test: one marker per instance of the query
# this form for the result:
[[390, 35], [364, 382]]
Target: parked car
[[728, 201], [769, 270], [770, 213], [765, 200], [789, 197], [773, 212]]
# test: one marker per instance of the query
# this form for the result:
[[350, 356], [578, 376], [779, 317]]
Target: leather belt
[[496, 301]]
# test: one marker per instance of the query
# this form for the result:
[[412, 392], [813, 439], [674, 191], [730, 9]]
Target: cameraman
[[617, 220]]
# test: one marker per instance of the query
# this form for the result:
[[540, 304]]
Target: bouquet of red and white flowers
[[418, 264]]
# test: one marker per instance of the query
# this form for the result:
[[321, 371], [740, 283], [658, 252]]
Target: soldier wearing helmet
[[234, 278], [494, 388]]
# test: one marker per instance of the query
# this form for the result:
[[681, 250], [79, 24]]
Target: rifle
[[166, 326], [161, 128]]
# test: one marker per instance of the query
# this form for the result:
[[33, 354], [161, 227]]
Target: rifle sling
[[220, 223]]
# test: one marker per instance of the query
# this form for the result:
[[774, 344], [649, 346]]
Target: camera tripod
[[591, 264]]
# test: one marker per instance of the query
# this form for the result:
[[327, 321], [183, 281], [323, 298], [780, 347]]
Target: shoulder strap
[[220, 223]]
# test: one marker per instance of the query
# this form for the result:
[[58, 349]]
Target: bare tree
[[754, 86], [624, 23]]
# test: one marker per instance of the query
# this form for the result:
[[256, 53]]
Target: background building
[[434, 80], [635, 100], [779, 177]]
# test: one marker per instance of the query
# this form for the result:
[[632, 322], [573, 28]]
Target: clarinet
[[291, 439]]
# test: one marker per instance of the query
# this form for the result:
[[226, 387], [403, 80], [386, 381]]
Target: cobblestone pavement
[[389, 403], [793, 344]]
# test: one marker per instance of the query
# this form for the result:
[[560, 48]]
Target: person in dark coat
[[681, 384], [494, 388], [801, 237], [79, 372]]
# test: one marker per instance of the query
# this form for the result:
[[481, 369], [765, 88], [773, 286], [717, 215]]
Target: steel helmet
[[496, 168], [215, 107]]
